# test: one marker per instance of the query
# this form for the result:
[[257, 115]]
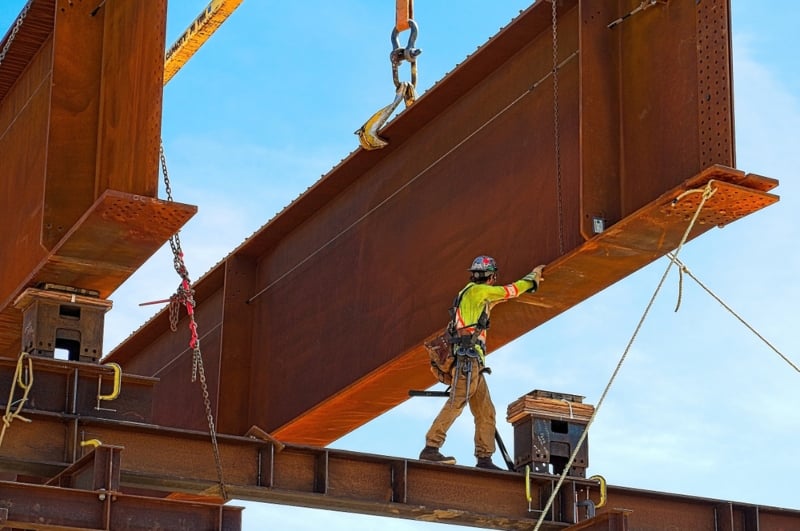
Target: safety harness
[[447, 348], [464, 346], [465, 341]]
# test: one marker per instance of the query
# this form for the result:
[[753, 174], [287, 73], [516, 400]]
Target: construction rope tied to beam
[[708, 191], [683, 269], [185, 296], [13, 411]]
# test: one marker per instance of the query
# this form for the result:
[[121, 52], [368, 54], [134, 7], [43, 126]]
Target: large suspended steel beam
[[314, 325], [80, 123]]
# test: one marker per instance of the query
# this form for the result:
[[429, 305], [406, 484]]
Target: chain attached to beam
[[185, 296], [556, 140], [14, 31]]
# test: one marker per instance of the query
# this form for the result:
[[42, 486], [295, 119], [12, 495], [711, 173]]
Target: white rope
[[707, 192], [13, 409], [685, 269]]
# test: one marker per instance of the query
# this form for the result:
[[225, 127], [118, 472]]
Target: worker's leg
[[451, 409], [482, 408]]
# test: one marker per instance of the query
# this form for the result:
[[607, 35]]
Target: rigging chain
[[556, 141], [14, 31], [11, 411], [185, 296], [707, 192]]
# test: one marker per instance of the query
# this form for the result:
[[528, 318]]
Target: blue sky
[[701, 407]]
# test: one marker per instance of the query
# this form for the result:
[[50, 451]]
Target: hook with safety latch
[[405, 91]]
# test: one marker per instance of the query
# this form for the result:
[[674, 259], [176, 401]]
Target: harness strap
[[480, 325]]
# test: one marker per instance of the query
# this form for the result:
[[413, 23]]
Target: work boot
[[431, 453], [486, 462]]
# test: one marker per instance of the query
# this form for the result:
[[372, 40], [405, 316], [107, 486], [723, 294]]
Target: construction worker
[[471, 319]]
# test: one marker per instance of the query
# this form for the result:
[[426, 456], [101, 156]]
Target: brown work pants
[[480, 404]]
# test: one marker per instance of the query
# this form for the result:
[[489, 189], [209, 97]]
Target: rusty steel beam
[[56, 448], [612, 520], [158, 459], [314, 325], [673, 511], [80, 121], [86, 495], [42, 507]]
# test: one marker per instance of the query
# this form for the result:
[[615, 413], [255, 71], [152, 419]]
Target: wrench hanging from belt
[[406, 91]]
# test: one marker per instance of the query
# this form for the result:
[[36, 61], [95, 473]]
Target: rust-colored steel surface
[[138, 462], [613, 520], [80, 121], [89, 497], [314, 325]]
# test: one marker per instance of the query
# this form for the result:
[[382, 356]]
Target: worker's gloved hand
[[535, 276]]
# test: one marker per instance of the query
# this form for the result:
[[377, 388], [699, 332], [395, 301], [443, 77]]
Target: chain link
[[14, 31], [408, 53], [184, 295], [556, 141]]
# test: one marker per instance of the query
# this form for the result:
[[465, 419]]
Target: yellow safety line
[[11, 412]]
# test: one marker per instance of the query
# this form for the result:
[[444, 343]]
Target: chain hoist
[[185, 296], [14, 31]]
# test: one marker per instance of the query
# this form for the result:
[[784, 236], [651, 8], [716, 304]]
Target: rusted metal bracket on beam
[[69, 500], [44, 507], [613, 520], [97, 470]]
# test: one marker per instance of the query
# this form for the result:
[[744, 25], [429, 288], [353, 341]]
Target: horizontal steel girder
[[155, 458], [42, 507], [86, 496]]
